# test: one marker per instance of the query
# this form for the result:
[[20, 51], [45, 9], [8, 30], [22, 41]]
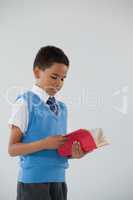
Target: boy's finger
[[75, 144], [64, 138], [76, 148], [81, 152], [80, 149]]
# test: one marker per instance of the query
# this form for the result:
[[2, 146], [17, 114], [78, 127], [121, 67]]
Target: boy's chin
[[52, 92]]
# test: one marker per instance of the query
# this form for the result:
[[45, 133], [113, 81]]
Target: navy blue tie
[[53, 105]]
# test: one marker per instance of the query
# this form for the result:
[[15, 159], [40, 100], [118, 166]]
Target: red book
[[81, 135]]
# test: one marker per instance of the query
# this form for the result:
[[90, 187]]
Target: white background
[[97, 37]]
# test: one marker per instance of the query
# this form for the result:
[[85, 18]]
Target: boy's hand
[[55, 141], [77, 152]]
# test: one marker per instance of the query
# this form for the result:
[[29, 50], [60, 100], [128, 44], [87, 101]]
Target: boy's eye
[[53, 77]]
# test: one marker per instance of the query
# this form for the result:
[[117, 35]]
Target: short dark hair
[[49, 55]]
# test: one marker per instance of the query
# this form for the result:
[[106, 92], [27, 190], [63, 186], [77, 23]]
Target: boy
[[38, 123]]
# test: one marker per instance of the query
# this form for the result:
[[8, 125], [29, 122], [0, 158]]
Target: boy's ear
[[36, 71]]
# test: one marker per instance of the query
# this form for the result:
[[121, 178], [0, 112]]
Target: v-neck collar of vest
[[43, 102]]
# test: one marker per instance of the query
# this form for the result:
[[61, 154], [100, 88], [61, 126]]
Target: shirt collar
[[40, 92]]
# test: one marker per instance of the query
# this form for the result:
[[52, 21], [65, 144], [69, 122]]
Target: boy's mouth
[[53, 90]]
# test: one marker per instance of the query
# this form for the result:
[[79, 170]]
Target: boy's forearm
[[27, 148]]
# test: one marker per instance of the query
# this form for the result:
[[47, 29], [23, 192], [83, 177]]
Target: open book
[[89, 140], [99, 137]]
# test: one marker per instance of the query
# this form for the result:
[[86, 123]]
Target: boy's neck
[[38, 85]]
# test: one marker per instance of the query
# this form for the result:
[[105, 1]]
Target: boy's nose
[[58, 87], [58, 83]]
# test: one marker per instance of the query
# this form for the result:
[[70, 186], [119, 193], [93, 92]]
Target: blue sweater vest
[[45, 165]]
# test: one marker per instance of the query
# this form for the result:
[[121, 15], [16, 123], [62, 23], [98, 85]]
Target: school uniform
[[41, 174]]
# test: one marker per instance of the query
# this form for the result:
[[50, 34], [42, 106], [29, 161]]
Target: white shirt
[[19, 114]]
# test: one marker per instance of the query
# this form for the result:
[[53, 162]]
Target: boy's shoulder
[[26, 95], [23, 94]]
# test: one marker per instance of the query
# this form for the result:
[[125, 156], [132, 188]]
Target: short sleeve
[[19, 115]]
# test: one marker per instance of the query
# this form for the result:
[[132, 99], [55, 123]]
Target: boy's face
[[51, 79]]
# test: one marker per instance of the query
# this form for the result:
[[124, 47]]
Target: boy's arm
[[18, 123], [16, 147]]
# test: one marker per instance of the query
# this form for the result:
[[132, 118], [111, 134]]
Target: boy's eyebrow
[[58, 75]]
